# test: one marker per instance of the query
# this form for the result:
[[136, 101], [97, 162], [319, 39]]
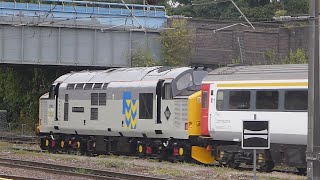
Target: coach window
[[296, 100], [167, 91], [267, 100], [239, 100], [219, 104], [204, 99], [145, 105]]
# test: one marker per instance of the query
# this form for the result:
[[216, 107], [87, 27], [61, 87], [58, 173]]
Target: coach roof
[[259, 72]]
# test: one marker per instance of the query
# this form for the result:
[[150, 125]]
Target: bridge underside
[[72, 46], [82, 33]]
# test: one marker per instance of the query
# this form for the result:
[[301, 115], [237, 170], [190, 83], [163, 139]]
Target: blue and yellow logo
[[129, 109]]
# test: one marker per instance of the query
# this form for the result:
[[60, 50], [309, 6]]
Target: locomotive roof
[[123, 74], [259, 72]]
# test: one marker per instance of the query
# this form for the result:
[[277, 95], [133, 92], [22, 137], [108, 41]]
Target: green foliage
[[20, 89], [177, 44], [236, 61], [280, 13], [258, 10], [142, 57], [270, 57], [296, 6], [296, 57]]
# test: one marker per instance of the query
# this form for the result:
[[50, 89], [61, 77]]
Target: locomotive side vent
[[94, 114], [158, 131]]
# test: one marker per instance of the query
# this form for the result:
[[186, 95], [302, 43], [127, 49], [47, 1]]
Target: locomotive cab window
[[145, 105], [184, 82], [296, 100], [267, 100], [52, 92], [239, 100], [167, 90]]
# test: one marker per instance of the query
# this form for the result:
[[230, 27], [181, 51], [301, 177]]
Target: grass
[[83, 171], [170, 172], [109, 163]]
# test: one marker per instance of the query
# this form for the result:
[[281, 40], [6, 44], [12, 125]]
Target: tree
[[257, 10], [142, 57], [177, 43]]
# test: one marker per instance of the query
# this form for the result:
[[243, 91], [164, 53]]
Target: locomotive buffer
[[255, 135]]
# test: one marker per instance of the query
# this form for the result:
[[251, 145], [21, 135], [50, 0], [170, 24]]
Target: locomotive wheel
[[302, 171], [267, 167], [141, 150], [233, 164]]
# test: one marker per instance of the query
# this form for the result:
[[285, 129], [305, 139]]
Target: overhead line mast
[[313, 149]]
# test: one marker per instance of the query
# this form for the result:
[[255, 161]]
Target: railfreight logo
[[129, 109]]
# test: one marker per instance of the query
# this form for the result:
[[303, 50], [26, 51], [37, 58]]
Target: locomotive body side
[[106, 112]]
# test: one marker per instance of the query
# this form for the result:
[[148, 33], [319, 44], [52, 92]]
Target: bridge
[[78, 33]]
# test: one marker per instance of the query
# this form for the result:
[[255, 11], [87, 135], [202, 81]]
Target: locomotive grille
[[94, 114], [44, 112], [180, 112]]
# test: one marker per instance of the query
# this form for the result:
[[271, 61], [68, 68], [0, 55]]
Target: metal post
[[22, 129], [313, 148], [254, 164], [240, 48]]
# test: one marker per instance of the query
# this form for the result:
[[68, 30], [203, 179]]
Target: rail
[[72, 171]]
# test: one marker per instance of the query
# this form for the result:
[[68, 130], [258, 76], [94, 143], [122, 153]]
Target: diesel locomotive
[[180, 113]]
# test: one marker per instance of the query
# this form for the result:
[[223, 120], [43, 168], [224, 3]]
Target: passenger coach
[[277, 93]]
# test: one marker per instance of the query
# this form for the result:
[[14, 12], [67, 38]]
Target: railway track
[[19, 139], [242, 168], [72, 171], [17, 177]]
